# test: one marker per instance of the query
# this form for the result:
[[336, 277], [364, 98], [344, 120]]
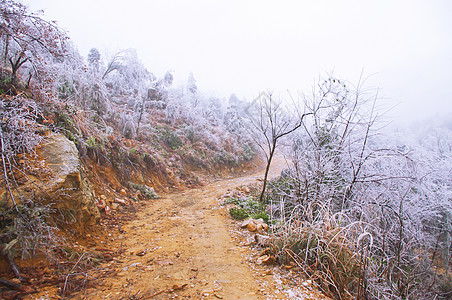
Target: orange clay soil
[[184, 246]]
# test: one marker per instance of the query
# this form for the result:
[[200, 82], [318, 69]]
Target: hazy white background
[[244, 47]]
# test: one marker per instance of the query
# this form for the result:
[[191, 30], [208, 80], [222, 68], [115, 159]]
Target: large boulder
[[55, 177], [67, 186]]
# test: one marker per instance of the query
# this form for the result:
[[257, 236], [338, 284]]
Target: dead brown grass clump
[[333, 256]]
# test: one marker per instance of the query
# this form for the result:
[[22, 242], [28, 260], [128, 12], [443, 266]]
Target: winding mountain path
[[181, 245]]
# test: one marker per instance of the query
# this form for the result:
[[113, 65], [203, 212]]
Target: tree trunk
[[28, 80], [15, 65], [139, 118], [267, 169]]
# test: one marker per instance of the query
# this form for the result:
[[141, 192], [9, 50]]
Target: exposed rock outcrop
[[68, 187], [55, 176]]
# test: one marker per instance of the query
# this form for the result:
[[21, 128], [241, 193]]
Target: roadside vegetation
[[365, 215]]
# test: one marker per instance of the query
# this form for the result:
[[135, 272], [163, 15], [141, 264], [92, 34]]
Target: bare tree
[[270, 121]]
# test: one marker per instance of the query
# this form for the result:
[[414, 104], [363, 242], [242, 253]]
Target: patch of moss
[[238, 213], [247, 208]]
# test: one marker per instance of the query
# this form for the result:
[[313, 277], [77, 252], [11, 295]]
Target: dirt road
[[184, 246], [180, 246]]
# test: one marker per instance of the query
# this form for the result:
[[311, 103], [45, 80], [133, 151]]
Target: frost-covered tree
[[270, 121], [168, 79], [213, 111], [192, 89], [126, 73], [26, 38], [191, 86], [94, 59], [235, 115], [159, 90]]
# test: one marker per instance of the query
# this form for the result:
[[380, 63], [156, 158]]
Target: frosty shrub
[[18, 129], [363, 215], [24, 220]]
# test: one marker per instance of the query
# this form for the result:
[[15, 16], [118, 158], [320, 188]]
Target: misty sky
[[244, 47]]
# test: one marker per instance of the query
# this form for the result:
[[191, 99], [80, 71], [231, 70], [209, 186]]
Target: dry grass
[[355, 259], [332, 255]]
